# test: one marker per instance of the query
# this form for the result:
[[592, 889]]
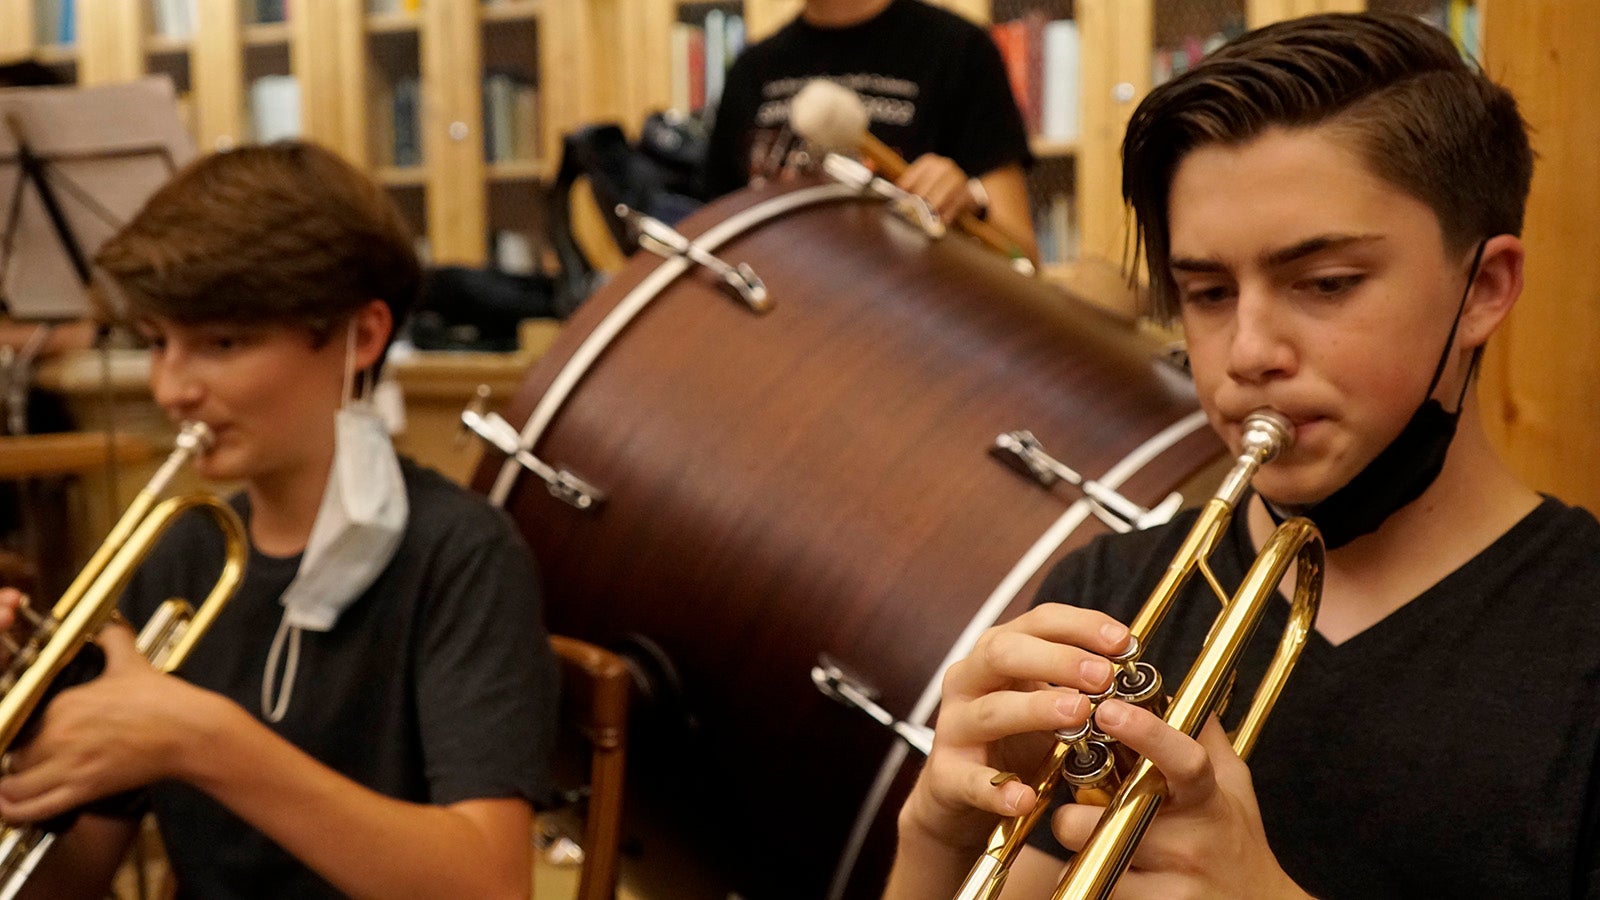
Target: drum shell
[[818, 479]]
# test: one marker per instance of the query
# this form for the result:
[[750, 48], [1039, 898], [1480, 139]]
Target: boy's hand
[[1023, 680], [1206, 840]]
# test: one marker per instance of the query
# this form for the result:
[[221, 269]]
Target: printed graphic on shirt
[[775, 149]]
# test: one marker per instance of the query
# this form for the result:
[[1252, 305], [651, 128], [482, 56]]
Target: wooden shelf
[[512, 10], [402, 176], [1048, 149], [68, 453], [56, 54], [267, 34], [164, 45], [518, 170], [393, 23]]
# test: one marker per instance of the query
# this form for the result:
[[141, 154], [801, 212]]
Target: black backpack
[[657, 177]]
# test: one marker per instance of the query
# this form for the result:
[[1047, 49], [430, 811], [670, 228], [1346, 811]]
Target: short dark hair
[[1423, 118], [285, 233]]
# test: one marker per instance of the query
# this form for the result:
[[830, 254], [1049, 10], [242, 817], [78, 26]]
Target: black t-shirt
[[437, 685], [932, 83], [1450, 750]]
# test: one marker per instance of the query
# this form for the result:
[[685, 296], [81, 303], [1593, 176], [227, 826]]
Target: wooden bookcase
[[346, 62]]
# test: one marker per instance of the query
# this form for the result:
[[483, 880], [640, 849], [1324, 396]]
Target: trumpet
[[89, 604], [1099, 770]]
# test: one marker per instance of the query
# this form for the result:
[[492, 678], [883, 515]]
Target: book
[[716, 46], [678, 62], [526, 122], [275, 108], [1011, 37], [1059, 111], [407, 118]]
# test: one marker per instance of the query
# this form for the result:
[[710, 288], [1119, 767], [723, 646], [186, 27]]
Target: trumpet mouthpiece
[[1267, 433], [195, 437]]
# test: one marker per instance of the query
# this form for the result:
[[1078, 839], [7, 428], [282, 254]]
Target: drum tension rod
[[905, 204], [665, 241], [563, 485], [834, 682], [1023, 452]]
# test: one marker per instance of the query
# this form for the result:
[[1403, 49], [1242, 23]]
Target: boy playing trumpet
[[1331, 207]]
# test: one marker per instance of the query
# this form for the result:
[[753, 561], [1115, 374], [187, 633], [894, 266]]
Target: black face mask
[[1404, 469]]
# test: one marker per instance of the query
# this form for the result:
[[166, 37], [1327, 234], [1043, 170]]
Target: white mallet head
[[829, 115]]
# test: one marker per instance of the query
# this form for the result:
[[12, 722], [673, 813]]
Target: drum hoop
[[641, 296], [995, 606]]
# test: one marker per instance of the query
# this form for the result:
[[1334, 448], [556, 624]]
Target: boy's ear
[[373, 323], [1494, 290]]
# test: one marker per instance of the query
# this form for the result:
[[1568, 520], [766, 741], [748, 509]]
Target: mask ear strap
[[273, 709], [357, 386], [1438, 370]]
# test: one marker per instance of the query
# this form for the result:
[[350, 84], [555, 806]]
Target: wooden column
[[1265, 12], [110, 41], [639, 64], [452, 131], [216, 69], [16, 30], [315, 31], [353, 85], [1541, 380], [1117, 37]]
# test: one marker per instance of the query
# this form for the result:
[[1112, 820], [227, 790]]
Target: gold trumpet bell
[[52, 655], [1101, 771]]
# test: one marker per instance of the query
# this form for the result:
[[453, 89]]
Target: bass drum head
[[817, 479]]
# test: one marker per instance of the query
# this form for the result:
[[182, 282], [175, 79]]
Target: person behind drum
[[1331, 206], [372, 713], [935, 89]]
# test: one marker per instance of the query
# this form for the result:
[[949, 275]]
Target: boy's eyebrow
[[1280, 257]]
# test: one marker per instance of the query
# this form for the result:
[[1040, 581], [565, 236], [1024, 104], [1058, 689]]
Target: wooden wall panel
[[314, 59], [452, 131], [16, 30], [106, 54], [216, 67], [1541, 385], [1117, 41], [1265, 12]]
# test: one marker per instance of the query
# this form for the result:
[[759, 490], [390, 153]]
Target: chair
[[594, 698]]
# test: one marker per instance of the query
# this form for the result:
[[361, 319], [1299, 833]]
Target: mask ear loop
[[357, 387], [1444, 357], [274, 711]]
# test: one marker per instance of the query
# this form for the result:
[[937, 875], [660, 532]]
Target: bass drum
[[816, 480]]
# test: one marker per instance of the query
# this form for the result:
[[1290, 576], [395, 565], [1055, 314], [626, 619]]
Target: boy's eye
[[1204, 294], [1333, 285]]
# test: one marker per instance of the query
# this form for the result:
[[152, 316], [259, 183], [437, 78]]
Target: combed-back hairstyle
[[285, 233], [1422, 117]]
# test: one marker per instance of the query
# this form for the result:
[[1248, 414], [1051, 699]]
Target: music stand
[[75, 164]]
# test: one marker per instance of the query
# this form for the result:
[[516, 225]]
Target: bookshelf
[[489, 87]]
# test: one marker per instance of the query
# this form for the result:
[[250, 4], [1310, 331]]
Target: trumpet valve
[[21, 643], [1089, 766]]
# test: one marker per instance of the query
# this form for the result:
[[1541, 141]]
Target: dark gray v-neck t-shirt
[[437, 685]]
